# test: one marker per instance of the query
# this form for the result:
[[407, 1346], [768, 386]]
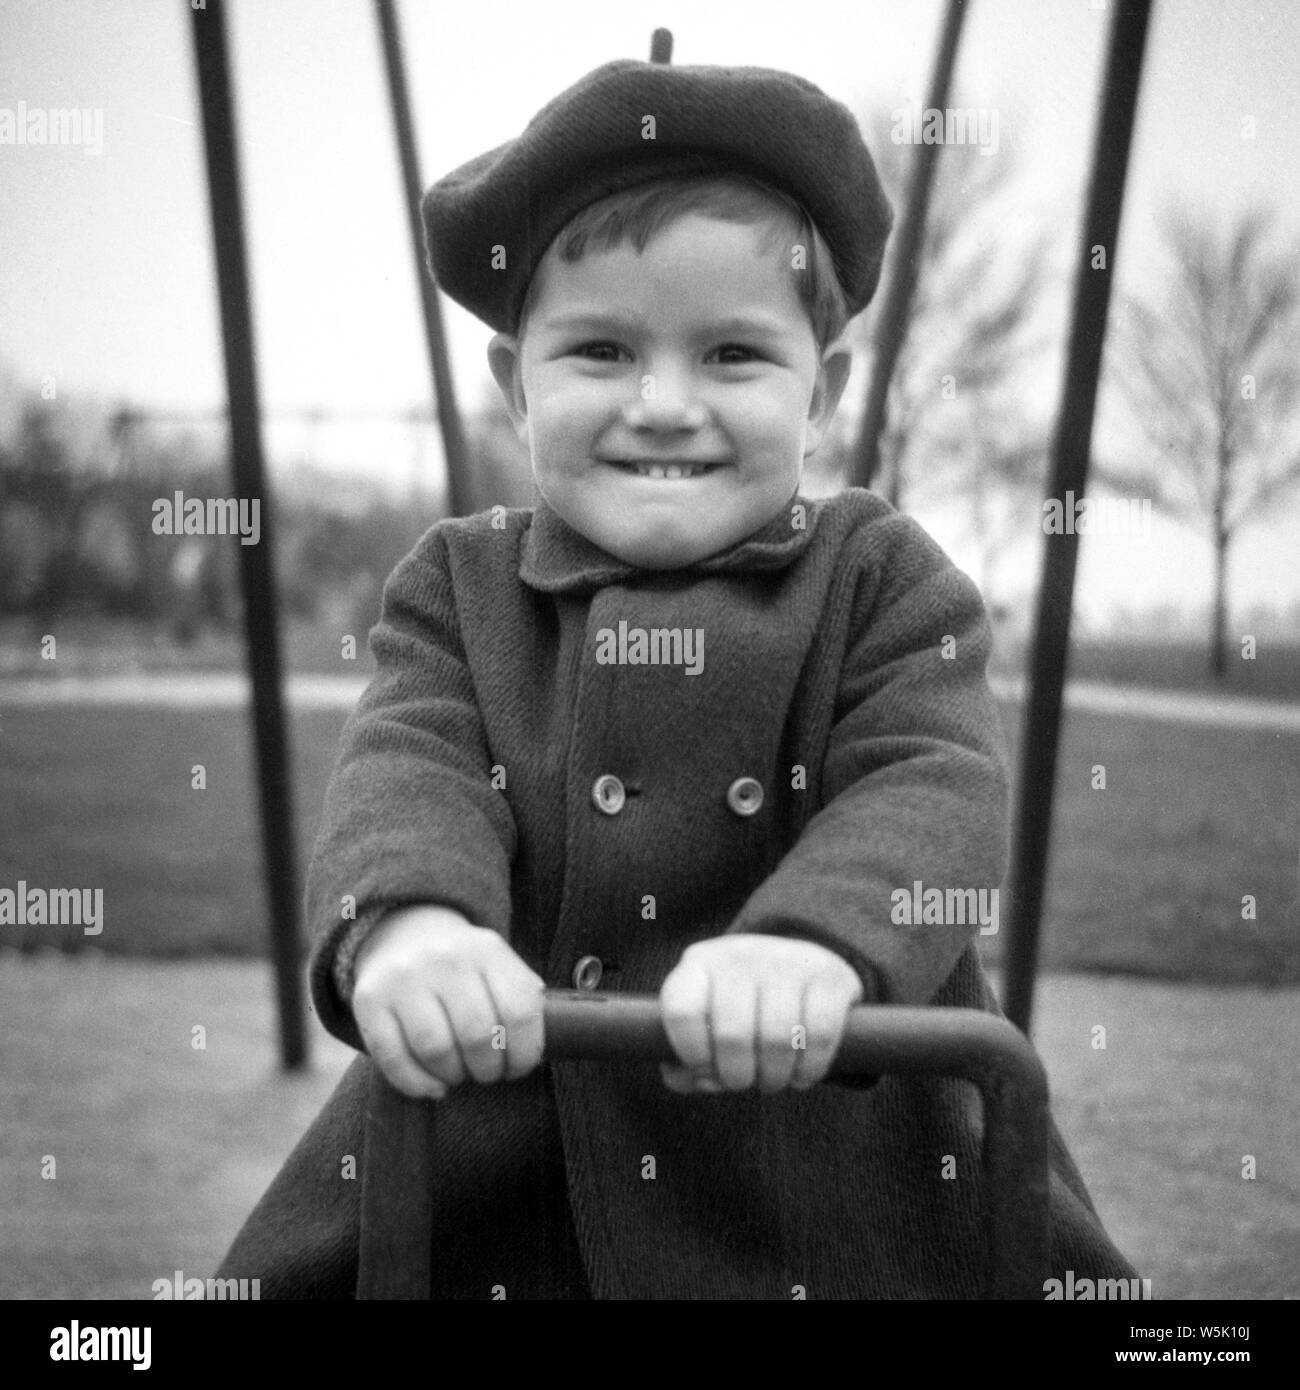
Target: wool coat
[[842, 670]]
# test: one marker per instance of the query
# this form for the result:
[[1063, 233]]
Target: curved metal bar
[[965, 1043]]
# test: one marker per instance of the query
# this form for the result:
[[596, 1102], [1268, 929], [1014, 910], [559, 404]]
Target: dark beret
[[588, 142]]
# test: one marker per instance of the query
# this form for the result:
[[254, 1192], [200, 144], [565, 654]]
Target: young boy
[[675, 730]]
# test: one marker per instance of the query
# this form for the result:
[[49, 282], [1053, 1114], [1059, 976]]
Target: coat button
[[587, 972], [608, 794], [745, 796]]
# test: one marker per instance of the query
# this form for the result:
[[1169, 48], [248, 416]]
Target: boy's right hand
[[438, 999]]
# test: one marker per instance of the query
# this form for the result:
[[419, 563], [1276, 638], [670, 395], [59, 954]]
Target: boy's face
[[669, 397]]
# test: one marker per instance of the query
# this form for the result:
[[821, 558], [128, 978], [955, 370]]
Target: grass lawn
[[103, 798], [1147, 876]]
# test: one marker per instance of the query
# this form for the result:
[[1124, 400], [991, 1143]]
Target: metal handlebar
[[396, 1239]]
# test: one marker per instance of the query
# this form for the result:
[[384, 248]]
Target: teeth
[[672, 471]]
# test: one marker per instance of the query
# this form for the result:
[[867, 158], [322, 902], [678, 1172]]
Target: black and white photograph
[[649, 653]]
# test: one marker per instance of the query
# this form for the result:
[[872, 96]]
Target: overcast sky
[[105, 256]]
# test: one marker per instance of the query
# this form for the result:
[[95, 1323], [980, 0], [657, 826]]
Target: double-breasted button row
[[744, 796]]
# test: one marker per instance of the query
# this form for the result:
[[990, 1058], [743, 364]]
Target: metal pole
[[1071, 448], [905, 264], [444, 393], [256, 572]]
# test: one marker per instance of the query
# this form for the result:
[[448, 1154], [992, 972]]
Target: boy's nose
[[665, 401]]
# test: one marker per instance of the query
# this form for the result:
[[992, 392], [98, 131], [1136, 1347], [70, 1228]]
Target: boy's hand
[[438, 999], [744, 1010]]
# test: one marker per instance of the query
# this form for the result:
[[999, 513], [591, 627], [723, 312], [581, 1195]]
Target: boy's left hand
[[766, 1011]]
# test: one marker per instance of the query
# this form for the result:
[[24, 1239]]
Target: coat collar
[[557, 559]]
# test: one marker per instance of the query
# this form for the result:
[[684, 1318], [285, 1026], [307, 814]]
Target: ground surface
[[162, 1149]]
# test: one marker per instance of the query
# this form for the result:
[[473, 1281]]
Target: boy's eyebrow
[[756, 323]]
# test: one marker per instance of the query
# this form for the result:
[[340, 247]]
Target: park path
[[178, 690], [220, 689]]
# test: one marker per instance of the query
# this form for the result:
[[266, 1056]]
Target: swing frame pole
[[1071, 454], [905, 267], [256, 562], [454, 449]]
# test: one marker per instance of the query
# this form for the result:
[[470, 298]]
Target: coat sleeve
[[914, 783], [410, 813]]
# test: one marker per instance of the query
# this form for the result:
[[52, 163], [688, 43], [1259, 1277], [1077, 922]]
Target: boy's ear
[[832, 378], [503, 359]]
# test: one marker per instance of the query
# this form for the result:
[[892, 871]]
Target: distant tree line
[[1202, 386], [77, 534]]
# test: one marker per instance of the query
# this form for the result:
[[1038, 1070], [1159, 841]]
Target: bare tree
[[1211, 374], [955, 422]]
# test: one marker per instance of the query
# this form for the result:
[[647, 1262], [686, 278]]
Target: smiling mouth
[[665, 468]]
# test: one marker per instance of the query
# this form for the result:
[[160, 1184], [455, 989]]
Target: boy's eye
[[598, 351], [731, 354]]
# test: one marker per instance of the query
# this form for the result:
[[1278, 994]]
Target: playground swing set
[[993, 1054]]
